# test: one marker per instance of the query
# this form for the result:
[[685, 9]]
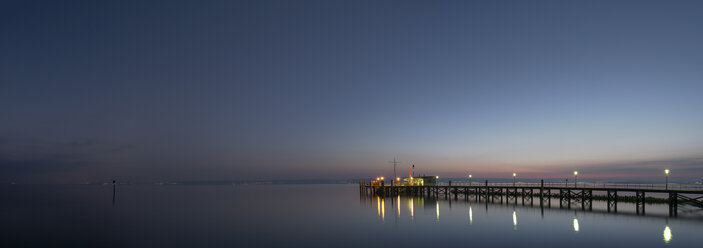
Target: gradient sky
[[246, 90]]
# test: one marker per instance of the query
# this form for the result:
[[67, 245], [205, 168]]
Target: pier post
[[541, 190], [506, 195], [673, 204], [590, 200], [612, 200], [486, 191], [561, 198], [615, 201], [640, 198]]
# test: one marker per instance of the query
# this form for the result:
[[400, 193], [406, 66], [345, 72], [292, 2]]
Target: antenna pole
[[395, 162]]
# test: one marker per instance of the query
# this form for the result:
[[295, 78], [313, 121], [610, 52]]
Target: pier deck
[[582, 196]]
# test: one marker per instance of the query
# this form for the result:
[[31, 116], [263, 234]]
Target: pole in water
[[113, 193]]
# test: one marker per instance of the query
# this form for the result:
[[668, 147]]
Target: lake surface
[[313, 216]]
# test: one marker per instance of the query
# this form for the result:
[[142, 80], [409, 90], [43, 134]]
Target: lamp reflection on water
[[667, 234], [412, 208], [471, 215], [378, 205], [383, 210], [576, 225], [514, 220], [437, 208], [398, 205]]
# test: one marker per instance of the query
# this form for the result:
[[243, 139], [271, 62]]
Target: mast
[[395, 162]]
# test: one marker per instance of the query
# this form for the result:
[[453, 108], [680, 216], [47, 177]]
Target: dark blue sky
[[205, 90]]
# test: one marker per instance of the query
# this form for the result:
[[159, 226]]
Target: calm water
[[311, 216]]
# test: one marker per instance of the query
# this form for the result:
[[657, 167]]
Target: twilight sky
[[243, 90]]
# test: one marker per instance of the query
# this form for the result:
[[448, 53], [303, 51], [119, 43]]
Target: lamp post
[[514, 175], [667, 178], [576, 178], [470, 176]]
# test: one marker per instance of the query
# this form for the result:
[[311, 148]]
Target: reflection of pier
[[429, 210], [579, 196]]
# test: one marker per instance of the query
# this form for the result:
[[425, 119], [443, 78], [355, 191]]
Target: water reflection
[[381, 207], [383, 210], [378, 205], [78, 216], [667, 234], [412, 208], [496, 213], [437, 208], [398, 206], [471, 215]]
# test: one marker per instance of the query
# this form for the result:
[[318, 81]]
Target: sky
[[255, 90]]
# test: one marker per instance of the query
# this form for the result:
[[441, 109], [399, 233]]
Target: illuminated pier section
[[581, 194]]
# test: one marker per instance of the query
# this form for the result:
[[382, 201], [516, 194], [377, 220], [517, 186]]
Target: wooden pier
[[580, 196]]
